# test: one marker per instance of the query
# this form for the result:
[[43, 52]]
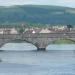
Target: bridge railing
[[39, 35], [49, 35]]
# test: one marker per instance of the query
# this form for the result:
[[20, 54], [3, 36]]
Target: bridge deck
[[42, 35]]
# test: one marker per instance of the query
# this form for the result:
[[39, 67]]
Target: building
[[13, 31], [8, 31], [45, 31]]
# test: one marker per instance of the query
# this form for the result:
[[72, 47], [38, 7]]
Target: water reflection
[[18, 46], [61, 47], [30, 47]]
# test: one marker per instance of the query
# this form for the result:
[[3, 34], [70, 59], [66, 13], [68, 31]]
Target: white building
[[33, 32], [1, 31], [45, 31], [59, 27], [8, 31], [13, 31]]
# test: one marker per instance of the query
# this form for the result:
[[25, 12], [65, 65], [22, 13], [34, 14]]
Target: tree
[[69, 27], [21, 29]]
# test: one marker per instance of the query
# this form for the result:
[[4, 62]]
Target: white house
[[13, 31], [33, 32], [45, 31], [1, 31]]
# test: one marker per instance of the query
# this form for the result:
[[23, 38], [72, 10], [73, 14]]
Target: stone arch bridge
[[40, 40]]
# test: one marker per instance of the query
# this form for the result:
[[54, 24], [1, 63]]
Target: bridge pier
[[41, 49]]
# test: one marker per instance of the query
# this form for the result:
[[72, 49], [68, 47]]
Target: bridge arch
[[8, 43], [61, 41]]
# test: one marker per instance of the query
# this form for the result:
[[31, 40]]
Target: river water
[[56, 60]]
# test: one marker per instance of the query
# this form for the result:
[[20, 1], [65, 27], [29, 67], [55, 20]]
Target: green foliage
[[69, 26], [36, 14], [20, 30]]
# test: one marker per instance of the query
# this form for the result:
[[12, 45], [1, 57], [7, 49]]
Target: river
[[24, 61]]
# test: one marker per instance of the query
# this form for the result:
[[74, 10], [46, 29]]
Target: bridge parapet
[[39, 35]]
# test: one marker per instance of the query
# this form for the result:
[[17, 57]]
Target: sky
[[66, 3]]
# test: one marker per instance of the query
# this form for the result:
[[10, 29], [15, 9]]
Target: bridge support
[[41, 49]]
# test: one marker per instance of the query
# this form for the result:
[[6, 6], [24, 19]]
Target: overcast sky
[[69, 3]]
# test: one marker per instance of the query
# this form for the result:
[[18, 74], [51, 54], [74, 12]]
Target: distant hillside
[[37, 14]]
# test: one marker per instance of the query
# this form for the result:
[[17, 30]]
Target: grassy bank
[[64, 41]]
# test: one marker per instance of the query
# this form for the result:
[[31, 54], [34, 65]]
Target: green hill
[[37, 14]]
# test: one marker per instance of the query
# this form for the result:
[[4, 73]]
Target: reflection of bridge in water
[[39, 40]]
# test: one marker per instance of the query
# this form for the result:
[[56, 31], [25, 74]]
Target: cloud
[[70, 3], [14, 2]]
